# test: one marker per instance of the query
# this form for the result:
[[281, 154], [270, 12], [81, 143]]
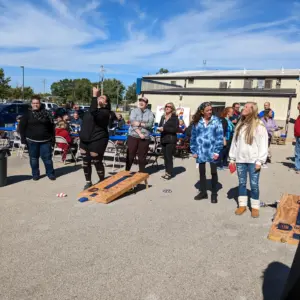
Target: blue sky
[[56, 39]]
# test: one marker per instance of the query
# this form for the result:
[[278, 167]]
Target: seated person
[[76, 122], [121, 121], [182, 126], [18, 118], [66, 119], [62, 131]]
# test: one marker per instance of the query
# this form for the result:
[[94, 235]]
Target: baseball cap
[[144, 99]]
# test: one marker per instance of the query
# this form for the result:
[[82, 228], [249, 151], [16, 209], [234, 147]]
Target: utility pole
[[102, 78], [44, 82], [118, 96], [22, 67]]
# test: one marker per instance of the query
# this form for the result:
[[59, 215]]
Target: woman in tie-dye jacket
[[206, 144]]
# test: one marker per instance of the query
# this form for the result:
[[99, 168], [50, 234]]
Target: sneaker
[[201, 196], [166, 177], [87, 185], [35, 178], [264, 166], [52, 178]]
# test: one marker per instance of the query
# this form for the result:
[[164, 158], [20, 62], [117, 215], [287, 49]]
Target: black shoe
[[214, 198], [166, 177], [87, 185], [53, 178], [201, 196], [35, 178]]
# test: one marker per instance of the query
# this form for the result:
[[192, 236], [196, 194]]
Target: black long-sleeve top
[[95, 123], [34, 129], [170, 129]]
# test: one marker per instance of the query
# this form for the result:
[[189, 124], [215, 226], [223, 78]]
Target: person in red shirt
[[62, 131], [297, 137]]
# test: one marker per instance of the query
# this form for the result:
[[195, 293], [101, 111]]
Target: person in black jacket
[[37, 131], [94, 136], [168, 126]]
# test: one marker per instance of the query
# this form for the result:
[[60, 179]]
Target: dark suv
[[10, 111]]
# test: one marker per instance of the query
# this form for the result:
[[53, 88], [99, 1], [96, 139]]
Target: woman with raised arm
[[206, 144], [249, 150], [94, 136], [168, 126]]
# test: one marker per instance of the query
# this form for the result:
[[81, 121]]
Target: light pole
[[102, 78], [22, 67]]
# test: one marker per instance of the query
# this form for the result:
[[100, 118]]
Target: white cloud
[[184, 40]]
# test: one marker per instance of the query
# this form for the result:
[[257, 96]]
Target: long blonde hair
[[250, 123], [173, 108]]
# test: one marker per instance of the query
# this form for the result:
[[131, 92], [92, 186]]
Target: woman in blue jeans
[[249, 150], [37, 131]]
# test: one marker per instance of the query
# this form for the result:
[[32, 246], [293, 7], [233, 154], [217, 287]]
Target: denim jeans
[[297, 154], [43, 150], [242, 170]]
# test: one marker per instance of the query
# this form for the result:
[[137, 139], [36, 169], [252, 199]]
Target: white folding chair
[[21, 150], [16, 141], [61, 140], [113, 152]]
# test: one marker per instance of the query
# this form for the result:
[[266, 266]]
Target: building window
[[248, 84], [268, 84], [173, 82], [278, 83], [223, 85], [260, 83], [191, 80]]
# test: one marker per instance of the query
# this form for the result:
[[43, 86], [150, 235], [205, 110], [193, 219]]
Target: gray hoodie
[[146, 116]]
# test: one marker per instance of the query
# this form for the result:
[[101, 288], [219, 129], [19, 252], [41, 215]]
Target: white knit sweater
[[257, 153]]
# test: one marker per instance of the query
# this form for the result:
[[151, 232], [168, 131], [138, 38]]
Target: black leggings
[[214, 178], [168, 151], [93, 153]]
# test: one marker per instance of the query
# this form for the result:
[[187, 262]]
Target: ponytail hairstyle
[[200, 112]]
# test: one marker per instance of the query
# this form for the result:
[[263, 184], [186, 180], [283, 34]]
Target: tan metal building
[[223, 88]]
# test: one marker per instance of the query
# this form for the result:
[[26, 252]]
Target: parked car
[[10, 111], [61, 111], [84, 107], [50, 106]]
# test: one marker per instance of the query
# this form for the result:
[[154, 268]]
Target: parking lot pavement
[[156, 244]]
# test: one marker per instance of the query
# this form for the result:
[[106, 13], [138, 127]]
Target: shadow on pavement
[[274, 279], [66, 170], [17, 178], [287, 164], [208, 184]]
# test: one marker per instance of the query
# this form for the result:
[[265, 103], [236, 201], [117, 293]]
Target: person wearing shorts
[[94, 136]]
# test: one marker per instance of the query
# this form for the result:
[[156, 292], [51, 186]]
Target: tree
[[16, 93], [82, 90], [4, 85], [131, 93], [64, 89], [114, 89], [162, 71]]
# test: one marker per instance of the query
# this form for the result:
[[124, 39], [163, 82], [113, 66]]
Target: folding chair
[[16, 141], [112, 151], [155, 151], [61, 140]]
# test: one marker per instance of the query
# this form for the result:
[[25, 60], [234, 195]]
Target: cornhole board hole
[[286, 225], [113, 187]]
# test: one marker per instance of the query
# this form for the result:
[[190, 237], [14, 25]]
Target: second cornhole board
[[286, 224], [113, 187]]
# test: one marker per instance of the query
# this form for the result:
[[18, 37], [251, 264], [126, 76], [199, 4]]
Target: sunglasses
[[167, 106]]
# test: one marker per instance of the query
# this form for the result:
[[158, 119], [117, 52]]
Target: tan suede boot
[[242, 205], [255, 205], [240, 210], [254, 213]]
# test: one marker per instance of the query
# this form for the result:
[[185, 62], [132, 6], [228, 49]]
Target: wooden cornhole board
[[113, 187], [288, 212]]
